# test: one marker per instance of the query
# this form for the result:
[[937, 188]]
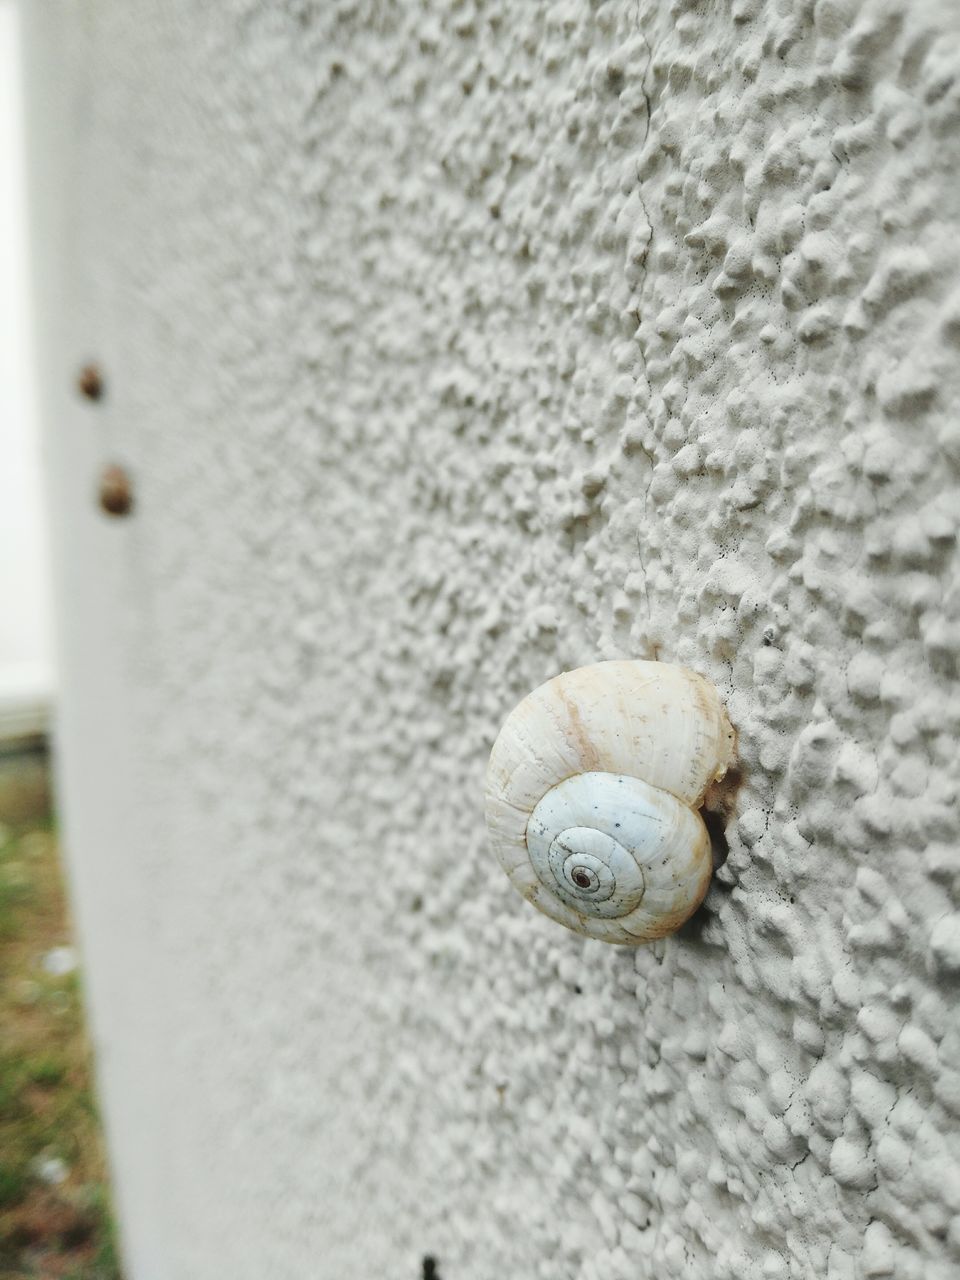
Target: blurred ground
[[54, 1210]]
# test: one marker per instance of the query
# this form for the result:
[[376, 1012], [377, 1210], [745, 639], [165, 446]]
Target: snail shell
[[593, 792]]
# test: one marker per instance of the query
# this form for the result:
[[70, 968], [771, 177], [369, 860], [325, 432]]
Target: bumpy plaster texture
[[452, 344]]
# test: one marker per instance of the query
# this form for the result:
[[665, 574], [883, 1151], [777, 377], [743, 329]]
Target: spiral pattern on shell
[[593, 793]]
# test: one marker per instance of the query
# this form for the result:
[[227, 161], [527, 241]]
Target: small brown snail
[[116, 491], [90, 382]]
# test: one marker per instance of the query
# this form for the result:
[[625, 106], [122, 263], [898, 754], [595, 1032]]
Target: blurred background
[[26, 662], [54, 1214]]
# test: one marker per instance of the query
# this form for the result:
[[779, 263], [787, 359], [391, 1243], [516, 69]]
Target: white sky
[[25, 648]]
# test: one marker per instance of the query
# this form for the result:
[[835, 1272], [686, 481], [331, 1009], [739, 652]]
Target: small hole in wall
[[429, 1271], [715, 824]]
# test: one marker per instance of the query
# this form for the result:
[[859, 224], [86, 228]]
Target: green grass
[[55, 1221]]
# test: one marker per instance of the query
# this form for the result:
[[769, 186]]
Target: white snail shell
[[593, 794]]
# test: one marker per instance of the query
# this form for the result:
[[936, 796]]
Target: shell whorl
[[592, 797]]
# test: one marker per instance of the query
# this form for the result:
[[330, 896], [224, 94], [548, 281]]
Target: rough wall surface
[[451, 345]]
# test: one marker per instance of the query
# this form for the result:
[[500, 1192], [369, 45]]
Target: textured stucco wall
[[451, 345]]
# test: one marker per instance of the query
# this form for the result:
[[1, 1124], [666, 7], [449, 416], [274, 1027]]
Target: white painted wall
[[450, 345], [26, 673]]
